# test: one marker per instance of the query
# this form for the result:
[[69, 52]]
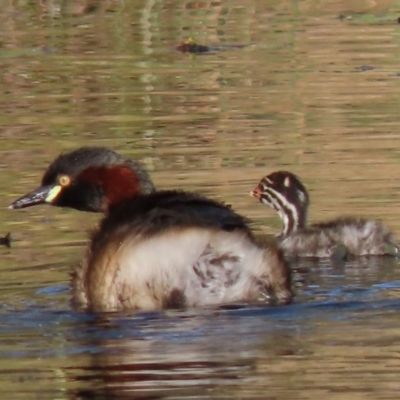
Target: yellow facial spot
[[53, 193]]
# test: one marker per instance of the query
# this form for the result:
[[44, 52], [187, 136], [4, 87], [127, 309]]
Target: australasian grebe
[[284, 192], [156, 249]]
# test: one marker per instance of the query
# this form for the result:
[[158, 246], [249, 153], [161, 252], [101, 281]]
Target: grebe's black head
[[284, 192], [89, 179]]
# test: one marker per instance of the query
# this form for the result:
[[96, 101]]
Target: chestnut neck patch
[[118, 183]]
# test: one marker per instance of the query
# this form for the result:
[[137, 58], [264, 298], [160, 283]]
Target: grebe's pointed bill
[[43, 194]]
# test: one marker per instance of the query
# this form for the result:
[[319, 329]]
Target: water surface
[[315, 90]]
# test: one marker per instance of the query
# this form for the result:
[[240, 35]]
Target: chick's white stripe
[[266, 179], [285, 209], [302, 196], [53, 193], [271, 201]]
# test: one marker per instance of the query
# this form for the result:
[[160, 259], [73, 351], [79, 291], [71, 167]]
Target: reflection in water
[[194, 354], [113, 376]]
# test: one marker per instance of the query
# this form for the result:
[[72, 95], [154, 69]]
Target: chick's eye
[[64, 180]]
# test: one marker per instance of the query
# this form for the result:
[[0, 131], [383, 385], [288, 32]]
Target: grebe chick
[[157, 249], [284, 192]]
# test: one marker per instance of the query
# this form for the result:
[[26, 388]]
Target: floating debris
[[364, 68], [190, 46]]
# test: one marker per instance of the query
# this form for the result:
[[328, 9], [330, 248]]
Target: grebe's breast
[[179, 268], [308, 242]]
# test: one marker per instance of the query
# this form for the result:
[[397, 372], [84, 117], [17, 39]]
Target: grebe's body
[[284, 192], [155, 250]]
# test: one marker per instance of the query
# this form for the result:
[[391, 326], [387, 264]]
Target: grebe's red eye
[[64, 180]]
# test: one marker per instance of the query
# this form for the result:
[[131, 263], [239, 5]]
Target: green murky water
[[315, 90]]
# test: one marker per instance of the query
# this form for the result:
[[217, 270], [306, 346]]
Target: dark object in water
[[343, 17], [6, 240], [364, 68], [190, 46]]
